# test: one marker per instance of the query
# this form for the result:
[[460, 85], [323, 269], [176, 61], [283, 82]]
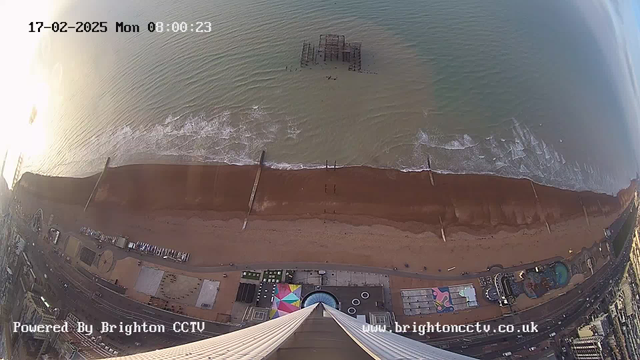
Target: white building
[[588, 348]]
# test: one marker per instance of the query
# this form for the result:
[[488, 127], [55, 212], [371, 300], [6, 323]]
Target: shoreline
[[297, 167], [280, 166]]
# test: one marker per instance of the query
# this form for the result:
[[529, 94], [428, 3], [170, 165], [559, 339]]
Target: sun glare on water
[[23, 89]]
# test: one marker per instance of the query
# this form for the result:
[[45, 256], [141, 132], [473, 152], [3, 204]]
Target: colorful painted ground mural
[[442, 299], [286, 299]]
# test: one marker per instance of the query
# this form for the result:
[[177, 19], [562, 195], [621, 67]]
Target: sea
[[512, 88]]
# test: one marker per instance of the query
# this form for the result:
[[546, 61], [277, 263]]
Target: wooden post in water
[[430, 172], [106, 165], [253, 191], [444, 238]]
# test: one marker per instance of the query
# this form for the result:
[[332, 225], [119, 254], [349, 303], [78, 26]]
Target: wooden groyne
[[253, 191], [95, 188]]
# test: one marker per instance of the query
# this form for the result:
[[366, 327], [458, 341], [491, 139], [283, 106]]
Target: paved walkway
[[120, 254], [346, 267]]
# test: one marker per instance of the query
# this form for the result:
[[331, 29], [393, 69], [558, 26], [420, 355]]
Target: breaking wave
[[238, 138], [518, 154], [218, 138]]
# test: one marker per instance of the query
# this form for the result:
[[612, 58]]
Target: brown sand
[[383, 218], [470, 200]]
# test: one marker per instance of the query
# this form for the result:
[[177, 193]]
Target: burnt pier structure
[[332, 47]]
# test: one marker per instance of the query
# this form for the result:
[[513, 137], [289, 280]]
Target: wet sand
[[480, 201], [383, 218]]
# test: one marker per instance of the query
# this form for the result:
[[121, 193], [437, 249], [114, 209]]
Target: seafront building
[[624, 311], [599, 326], [625, 325], [588, 348], [614, 332], [34, 311], [591, 343]]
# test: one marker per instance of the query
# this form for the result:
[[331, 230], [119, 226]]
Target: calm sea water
[[515, 88]]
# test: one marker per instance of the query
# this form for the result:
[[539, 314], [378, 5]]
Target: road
[[78, 297]]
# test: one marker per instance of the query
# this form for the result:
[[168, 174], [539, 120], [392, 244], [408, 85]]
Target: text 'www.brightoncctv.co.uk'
[[432, 328]]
